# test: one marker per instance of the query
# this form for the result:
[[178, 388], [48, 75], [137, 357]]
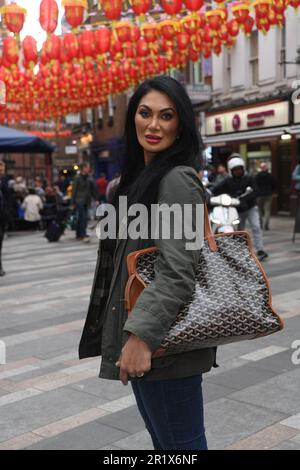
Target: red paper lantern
[[52, 47], [74, 11], [71, 46], [123, 29], [248, 26], [294, 3], [14, 17], [142, 48], [102, 38], [193, 55], [191, 24], [10, 54], [215, 18], [168, 28], [194, 5], [262, 8], [150, 31], [135, 34], [140, 7], [172, 7], [263, 24], [86, 43], [30, 51], [240, 11], [112, 8], [48, 15], [183, 40], [233, 27]]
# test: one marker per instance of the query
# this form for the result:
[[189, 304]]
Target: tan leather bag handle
[[208, 235]]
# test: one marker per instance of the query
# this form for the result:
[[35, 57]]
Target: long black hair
[[139, 182]]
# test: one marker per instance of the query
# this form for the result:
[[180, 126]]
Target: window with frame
[[253, 60], [282, 52]]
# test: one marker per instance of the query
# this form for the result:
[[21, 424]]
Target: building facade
[[254, 108]]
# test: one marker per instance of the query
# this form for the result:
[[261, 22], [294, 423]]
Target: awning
[[15, 141], [257, 134]]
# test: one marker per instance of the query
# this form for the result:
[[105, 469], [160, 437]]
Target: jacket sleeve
[[175, 266]]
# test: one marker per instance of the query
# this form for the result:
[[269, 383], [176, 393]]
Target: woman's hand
[[135, 359]]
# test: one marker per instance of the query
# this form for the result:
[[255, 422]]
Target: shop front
[[263, 132]]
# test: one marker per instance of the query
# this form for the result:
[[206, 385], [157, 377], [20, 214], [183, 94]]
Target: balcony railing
[[199, 93]]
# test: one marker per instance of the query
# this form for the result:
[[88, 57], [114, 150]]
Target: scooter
[[224, 217]]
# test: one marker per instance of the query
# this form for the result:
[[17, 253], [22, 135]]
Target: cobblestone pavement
[[50, 400]]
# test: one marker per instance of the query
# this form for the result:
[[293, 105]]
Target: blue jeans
[[173, 412], [82, 219]]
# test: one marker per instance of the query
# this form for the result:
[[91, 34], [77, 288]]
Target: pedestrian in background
[[265, 186], [4, 204], [112, 188], [39, 189], [159, 167], [101, 184], [32, 205], [83, 192], [236, 185], [221, 174]]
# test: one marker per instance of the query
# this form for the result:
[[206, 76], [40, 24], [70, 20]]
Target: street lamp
[[286, 136]]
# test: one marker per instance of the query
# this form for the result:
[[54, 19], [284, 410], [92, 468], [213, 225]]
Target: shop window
[[197, 72], [257, 154], [253, 60]]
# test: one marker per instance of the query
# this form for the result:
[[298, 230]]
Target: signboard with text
[[258, 117]]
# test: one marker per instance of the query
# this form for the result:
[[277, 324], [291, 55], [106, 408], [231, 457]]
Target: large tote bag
[[231, 299]]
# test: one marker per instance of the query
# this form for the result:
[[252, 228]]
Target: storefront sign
[[260, 117]]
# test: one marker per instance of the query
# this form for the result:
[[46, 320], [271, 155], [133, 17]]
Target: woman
[[161, 144], [32, 205]]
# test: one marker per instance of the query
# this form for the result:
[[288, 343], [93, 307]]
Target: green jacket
[[83, 190], [108, 325]]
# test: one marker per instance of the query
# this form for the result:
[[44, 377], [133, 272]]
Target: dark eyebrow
[[161, 110]]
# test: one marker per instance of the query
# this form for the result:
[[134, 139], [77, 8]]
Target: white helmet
[[235, 161]]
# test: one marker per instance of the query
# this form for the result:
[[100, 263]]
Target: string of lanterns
[[135, 40]]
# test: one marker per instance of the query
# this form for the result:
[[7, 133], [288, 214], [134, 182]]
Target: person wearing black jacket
[[265, 185], [235, 185], [4, 196]]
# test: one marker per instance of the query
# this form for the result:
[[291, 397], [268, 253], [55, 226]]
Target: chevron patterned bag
[[231, 300]]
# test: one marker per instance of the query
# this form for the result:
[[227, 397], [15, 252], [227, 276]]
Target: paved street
[[50, 400]]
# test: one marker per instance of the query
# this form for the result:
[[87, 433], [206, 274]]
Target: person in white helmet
[[235, 185]]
